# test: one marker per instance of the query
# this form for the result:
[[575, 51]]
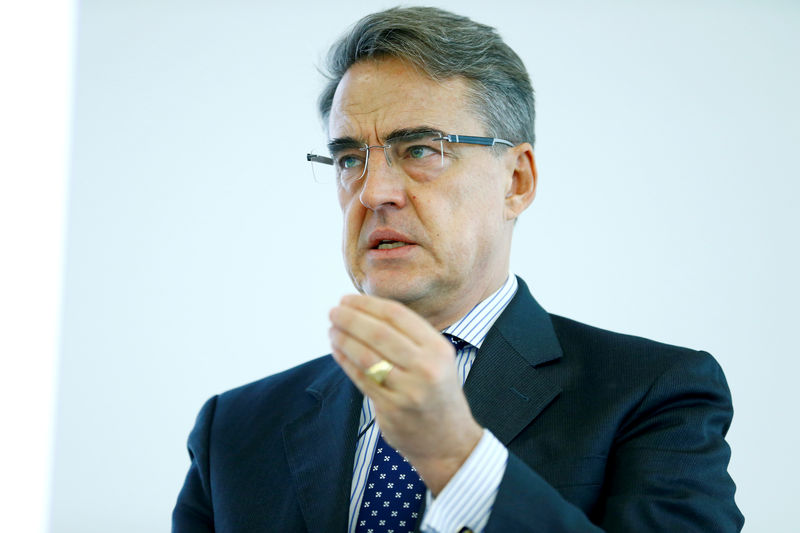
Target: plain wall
[[201, 255], [36, 69]]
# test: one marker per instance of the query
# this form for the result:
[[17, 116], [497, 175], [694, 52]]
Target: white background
[[201, 255], [36, 70]]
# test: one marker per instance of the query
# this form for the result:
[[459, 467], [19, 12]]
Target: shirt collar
[[474, 326]]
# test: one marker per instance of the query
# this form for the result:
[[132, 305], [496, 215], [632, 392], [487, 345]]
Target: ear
[[521, 189]]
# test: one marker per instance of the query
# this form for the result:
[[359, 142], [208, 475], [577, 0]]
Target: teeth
[[388, 245]]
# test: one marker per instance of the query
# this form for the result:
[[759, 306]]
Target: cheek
[[344, 199], [479, 210], [353, 214]]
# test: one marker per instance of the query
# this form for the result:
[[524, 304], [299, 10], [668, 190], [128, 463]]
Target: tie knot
[[459, 344]]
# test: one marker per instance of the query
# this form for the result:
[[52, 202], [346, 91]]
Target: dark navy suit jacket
[[604, 431]]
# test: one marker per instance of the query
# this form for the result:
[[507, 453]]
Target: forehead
[[375, 98]]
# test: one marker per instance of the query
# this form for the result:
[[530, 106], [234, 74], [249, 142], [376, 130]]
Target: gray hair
[[443, 45]]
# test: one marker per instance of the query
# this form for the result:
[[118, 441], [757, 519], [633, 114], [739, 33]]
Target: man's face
[[456, 228]]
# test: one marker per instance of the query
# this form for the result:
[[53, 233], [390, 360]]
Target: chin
[[394, 288]]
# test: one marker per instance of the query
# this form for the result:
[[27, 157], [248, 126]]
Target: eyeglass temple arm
[[314, 158], [468, 139]]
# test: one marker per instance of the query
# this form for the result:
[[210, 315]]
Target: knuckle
[[367, 360], [335, 337], [433, 373], [339, 317], [380, 335], [408, 403], [415, 399]]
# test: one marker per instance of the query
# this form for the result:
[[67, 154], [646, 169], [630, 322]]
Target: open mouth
[[388, 245], [387, 239]]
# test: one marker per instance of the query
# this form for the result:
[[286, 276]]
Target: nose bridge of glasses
[[386, 152], [380, 187], [367, 160]]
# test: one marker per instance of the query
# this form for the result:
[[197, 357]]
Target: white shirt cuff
[[467, 499]]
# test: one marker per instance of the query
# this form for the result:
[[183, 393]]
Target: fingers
[[360, 357], [366, 339], [366, 330], [360, 354], [403, 319], [380, 393]]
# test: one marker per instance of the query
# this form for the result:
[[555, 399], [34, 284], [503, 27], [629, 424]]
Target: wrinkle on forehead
[[375, 98]]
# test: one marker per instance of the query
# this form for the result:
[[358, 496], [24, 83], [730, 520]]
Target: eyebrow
[[342, 143], [411, 132]]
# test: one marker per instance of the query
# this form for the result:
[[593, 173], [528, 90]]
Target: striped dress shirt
[[467, 499]]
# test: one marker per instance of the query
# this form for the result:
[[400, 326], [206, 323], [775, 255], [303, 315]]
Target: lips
[[386, 239]]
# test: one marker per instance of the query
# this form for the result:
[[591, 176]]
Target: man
[[558, 426]]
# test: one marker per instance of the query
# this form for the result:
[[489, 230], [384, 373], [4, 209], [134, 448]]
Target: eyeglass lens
[[419, 155]]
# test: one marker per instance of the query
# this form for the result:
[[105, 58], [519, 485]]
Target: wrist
[[436, 471]]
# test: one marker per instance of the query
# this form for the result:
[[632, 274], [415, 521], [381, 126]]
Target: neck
[[441, 316]]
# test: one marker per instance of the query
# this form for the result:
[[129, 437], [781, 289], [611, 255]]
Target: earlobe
[[522, 186]]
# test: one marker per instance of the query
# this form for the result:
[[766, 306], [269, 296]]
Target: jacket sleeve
[[666, 470], [193, 511]]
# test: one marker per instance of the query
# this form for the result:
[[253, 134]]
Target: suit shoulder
[[603, 347], [635, 375]]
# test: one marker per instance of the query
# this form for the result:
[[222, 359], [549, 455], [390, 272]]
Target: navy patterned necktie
[[393, 494]]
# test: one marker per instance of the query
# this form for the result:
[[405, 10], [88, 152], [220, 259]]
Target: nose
[[383, 185]]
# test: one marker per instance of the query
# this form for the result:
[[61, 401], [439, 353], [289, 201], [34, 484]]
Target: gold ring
[[379, 371]]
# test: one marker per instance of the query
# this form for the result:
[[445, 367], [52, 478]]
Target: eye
[[347, 162], [419, 151]]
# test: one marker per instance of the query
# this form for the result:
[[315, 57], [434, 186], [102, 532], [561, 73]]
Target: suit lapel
[[504, 389], [320, 449]]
